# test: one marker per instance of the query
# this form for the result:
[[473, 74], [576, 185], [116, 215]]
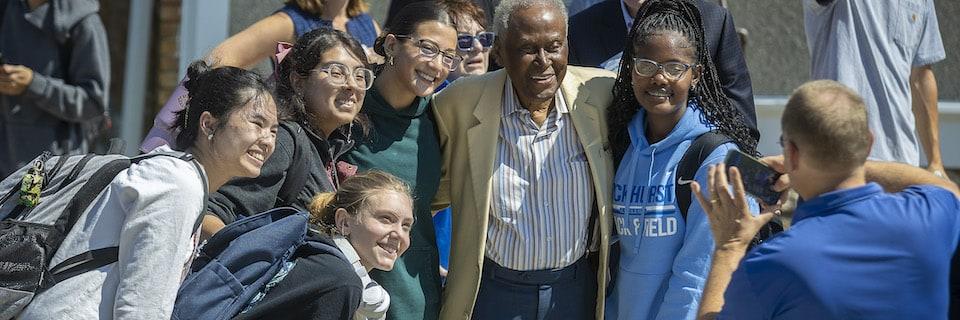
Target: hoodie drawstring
[[643, 219]]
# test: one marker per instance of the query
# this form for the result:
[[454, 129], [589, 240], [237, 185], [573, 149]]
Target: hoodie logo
[[647, 211]]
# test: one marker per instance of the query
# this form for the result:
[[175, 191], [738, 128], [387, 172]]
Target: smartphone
[[758, 178]]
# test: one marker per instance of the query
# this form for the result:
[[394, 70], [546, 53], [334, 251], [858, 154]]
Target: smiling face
[[332, 105], [533, 50], [415, 72], [476, 60], [658, 95], [380, 232], [247, 139]]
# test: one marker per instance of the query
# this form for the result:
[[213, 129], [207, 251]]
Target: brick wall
[[164, 57]]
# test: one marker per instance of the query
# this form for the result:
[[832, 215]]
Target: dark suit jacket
[[599, 33]]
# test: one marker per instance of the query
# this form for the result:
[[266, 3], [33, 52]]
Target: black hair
[[409, 18], [220, 91], [302, 59], [681, 16]]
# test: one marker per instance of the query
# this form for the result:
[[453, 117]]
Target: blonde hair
[[352, 196], [315, 7]]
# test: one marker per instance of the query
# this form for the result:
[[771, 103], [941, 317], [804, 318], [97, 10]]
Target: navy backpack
[[236, 264]]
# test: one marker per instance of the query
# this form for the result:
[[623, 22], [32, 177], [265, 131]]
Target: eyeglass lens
[[362, 77], [430, 50], [465, 41], [648, 68]]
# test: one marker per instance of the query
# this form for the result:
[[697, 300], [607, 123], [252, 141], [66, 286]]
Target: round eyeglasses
[[338, 74], [671, 70], [431, 50], [465, 41]]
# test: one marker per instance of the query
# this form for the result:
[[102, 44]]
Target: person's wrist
[[731, 249], [728, 256]]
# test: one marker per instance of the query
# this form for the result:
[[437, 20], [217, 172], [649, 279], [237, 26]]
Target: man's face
[[533, 50]]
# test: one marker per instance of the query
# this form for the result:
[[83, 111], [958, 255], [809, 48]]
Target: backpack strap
[[687, 168], [296, 176], [185, 157], [78, 205], [699, 150]]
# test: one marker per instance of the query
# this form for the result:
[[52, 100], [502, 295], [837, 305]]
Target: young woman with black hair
[[666, 96], [320, 89], [149, 210], [420, 49]]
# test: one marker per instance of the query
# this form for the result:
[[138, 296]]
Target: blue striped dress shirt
[[542, 190]]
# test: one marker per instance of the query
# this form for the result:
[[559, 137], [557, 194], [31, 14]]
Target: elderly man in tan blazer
[[527, 172]]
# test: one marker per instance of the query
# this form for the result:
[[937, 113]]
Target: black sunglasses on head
[[465, 41]]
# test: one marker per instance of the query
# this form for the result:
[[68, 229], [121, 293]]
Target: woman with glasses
[[321, 86], [420, 49], [473, 39], [666, 96]]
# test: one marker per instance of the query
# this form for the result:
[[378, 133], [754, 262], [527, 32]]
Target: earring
[[210, 136], [390, 60]]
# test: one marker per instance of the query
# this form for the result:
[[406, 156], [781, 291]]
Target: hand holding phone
[[758, 178]]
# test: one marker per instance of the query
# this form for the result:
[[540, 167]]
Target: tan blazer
[[468, 120]]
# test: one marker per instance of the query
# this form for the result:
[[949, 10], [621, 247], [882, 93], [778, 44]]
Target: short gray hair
[[506, 8]]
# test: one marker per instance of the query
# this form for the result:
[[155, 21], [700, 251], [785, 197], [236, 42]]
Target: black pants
[[567, 293]]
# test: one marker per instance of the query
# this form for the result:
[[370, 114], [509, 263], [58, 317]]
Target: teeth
[[389, 249], [658, 93], [256, 155], [426, 76]]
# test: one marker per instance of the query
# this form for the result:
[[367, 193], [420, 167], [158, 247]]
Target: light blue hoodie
[[664, 260]]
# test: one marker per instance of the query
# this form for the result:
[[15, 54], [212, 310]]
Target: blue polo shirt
[[857, 253]]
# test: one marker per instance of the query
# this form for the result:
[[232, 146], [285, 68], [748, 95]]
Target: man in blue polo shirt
[[854, 251]]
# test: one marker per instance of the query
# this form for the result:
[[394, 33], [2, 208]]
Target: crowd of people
[[505, 160]]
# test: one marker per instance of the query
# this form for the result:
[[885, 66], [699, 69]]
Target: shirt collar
[[627, 19], [827, 203], [511, 104]]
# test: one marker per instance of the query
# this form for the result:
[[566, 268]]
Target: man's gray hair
[[504, 10]]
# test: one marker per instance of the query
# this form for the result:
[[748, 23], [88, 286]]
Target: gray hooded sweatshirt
[[65, 44]]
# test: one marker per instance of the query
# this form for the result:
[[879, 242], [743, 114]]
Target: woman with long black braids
[[666, 96]]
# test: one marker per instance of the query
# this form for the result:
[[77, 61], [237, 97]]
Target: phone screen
[[757, 177]]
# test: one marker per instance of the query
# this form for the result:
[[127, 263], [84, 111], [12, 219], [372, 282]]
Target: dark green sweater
[[404, 143]]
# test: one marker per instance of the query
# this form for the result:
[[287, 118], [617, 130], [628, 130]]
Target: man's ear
[[344, 221], [791, 156]]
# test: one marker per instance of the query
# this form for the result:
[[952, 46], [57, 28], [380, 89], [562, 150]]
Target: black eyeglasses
[[431, 50], [465, 41], [671, 70]]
